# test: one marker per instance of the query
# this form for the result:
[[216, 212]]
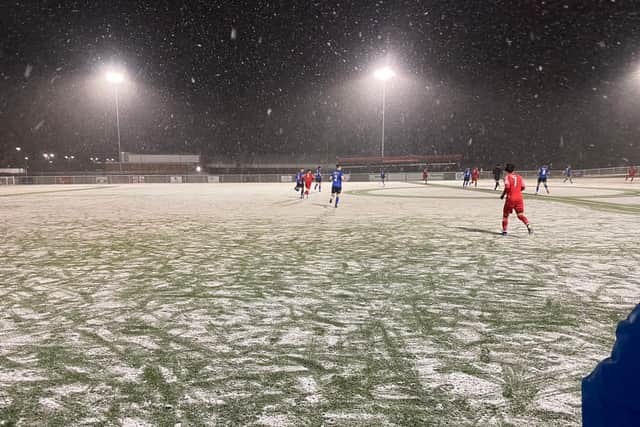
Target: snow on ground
[[240, 304]]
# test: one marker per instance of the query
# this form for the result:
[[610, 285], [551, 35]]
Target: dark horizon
[[540, 83]]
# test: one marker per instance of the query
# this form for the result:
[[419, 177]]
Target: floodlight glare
[[384, 74], [114, 77]]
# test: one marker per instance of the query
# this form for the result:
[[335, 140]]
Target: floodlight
[[114, 77], [384, 74]]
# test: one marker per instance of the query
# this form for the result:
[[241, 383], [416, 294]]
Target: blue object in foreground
[[611, 393]]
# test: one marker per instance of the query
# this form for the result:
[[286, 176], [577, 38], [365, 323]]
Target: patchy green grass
[[154, 306]]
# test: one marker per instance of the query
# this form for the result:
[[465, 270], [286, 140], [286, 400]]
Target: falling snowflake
[[27, 71], [234, 33]]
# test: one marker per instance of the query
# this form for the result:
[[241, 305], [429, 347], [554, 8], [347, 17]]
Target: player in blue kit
[[383, 175], [300, 182], [336, 184], [568, 174], [466, 177], [318, 179], [543, 174]]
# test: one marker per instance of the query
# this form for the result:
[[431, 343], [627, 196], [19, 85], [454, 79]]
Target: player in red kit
[[475, 175], [513, 186], [631, 173], [308, 180]]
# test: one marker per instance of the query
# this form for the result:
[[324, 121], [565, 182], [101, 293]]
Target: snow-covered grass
[[241, 304]]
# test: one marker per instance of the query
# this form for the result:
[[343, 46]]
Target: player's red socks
[[505, 221]]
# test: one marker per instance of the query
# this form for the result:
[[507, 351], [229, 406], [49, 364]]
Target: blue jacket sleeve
[[611, 393]]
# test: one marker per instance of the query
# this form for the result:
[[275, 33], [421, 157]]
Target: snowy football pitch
[[226, 304]]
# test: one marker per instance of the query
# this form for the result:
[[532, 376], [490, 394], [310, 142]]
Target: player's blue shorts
[[318, 178], [335, 189], [542, 179]]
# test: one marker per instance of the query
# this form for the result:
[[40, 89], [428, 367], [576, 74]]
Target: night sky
[[521, 81]]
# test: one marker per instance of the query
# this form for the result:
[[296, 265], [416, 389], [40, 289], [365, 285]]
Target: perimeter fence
[[273, 178]]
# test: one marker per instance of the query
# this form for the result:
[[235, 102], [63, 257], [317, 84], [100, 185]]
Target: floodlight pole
[[118, 126], [384, 97], [383, 75]]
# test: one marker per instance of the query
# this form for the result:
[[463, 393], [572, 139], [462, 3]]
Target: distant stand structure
[[149, 164], [410, 163]]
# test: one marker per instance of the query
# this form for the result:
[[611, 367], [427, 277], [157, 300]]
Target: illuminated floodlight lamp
[[114, 77], [384, 74]]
